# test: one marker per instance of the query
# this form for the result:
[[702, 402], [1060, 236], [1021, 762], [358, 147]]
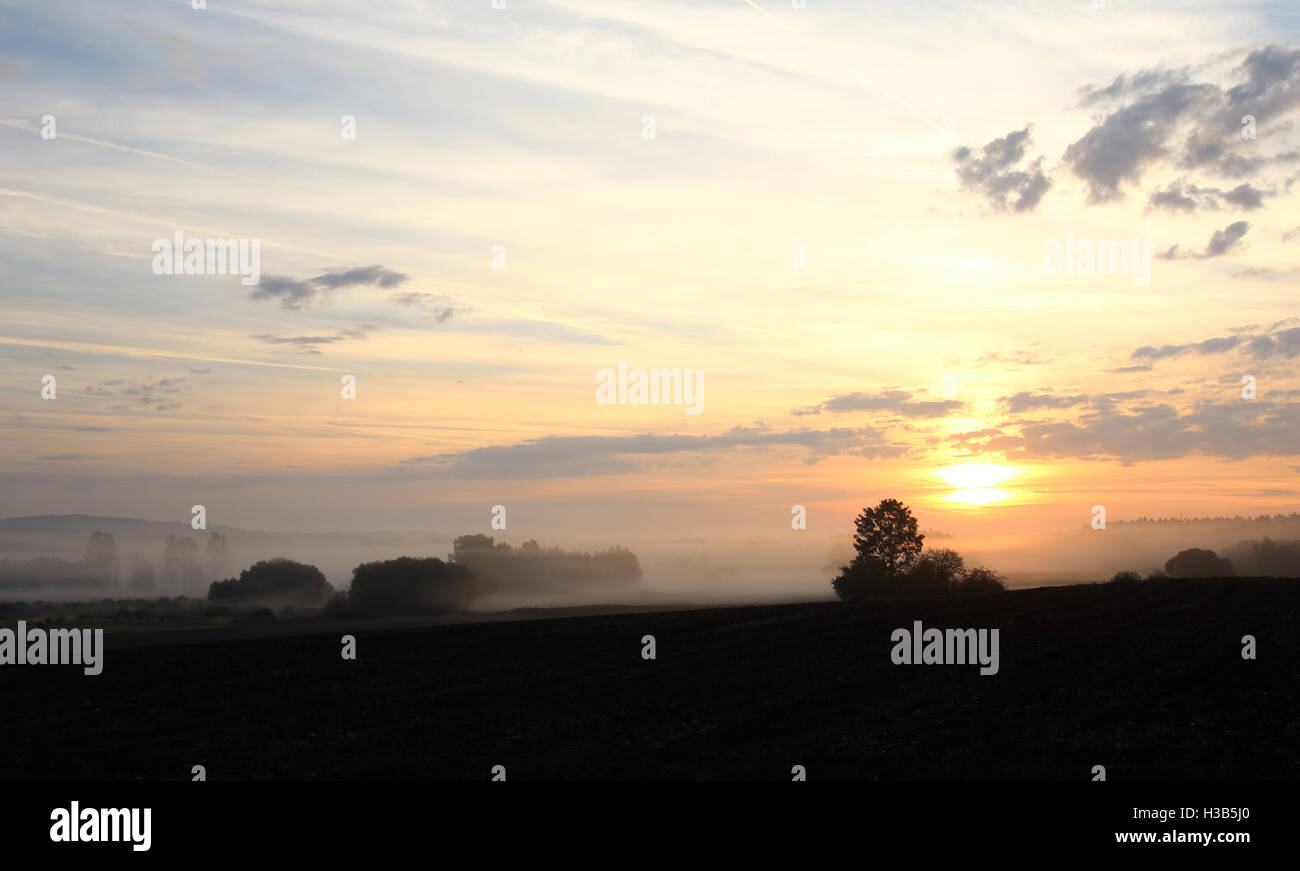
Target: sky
[[863, 227]]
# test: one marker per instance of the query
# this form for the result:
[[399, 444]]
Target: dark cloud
[[1163, 116], [993, 173], [295, 293], [1275, 342], [580, 456], [896, 401], [1272, 85], [1130, 139], [1282, 344], [1222, 242], [1181, 196]]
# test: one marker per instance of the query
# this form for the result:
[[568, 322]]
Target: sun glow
[[977, 483], [979, 496], [976, 475]]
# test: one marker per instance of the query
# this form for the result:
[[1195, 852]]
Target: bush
[[274, 582], [981, 580], [409, 585], [1125, 578], [1199, 563], [935, 571]]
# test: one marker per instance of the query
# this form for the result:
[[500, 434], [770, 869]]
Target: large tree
[[887, 544]]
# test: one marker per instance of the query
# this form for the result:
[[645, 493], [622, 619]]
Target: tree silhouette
[[276, 581], [1199, 563], [887, 544], [143, 579], [887, 535], [408, 585], [936, 571], [980, 580], [101, 557], [498, 567], [890, 560], [218, 554], [182, 570]]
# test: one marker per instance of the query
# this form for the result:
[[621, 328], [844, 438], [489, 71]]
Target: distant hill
[[77, 523]]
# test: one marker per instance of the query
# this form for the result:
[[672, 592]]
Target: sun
[[976, 475], [977, 483]]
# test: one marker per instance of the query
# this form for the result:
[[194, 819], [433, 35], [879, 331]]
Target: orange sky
[[869, 305]]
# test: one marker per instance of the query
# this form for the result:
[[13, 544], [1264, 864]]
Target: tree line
[[478, 565]]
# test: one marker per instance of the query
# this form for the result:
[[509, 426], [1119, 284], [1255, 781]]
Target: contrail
[[128, 351], [864, 79], [149, 219], [23, 125]]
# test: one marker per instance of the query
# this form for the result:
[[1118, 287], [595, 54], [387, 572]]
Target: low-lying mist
[[80, 558]]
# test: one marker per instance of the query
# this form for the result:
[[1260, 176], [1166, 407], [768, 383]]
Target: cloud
[[1129, 139], [581, 456], [295, 294], [438, 306], [1162, 116], [1019, 358], [1267, 273], [1282, 344], [307, 344], [139, 393], [1222, 242], [1274, 342], [1025, 401], [541, 331], [1181, 196], [897, 401], [1229, 430], [993, 174], [1019, 403]]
